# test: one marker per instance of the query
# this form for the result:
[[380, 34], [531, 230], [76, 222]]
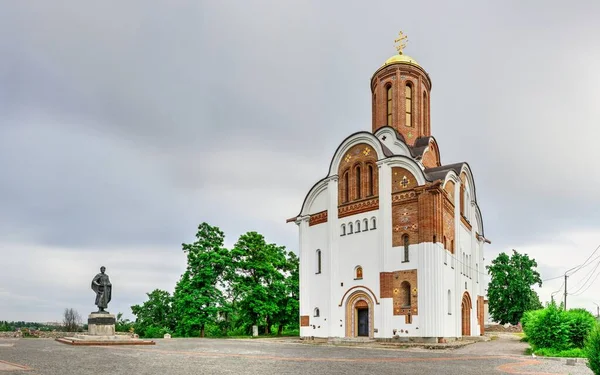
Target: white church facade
[[391, 240]]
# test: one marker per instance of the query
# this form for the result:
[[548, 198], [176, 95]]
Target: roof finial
[[401, 42]]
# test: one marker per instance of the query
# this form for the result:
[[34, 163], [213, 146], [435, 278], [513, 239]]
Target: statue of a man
[[103, 288]]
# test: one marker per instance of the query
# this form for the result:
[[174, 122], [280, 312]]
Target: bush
[[592, 350], [581, 323], [154, 332], [548, 328], [557, 330]]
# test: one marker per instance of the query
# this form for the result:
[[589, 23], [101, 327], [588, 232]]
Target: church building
[[391, 240]]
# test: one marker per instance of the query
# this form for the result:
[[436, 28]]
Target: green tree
[[509, 290], [257, 277], [123, 325], [198, 295], [155, 313]]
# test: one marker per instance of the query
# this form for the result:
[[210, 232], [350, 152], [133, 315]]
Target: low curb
[[79, 342]]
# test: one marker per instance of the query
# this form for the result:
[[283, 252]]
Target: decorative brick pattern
[[352, 188], [404, 284], [402, 180], [304, 321], [358, 207], [318, 218], [405, 220]]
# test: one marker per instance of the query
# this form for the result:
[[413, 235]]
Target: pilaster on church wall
[[334, 236], [385, 214], [304, 269]]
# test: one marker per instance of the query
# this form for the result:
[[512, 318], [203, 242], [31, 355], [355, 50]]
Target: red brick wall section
[[402, 180], [448, 227], [318, 218], [449, 187], [386, 286], [400, 281], [397, 75], [431, 159], [304, 321], [363, 156], [430, 209], [405, 221]]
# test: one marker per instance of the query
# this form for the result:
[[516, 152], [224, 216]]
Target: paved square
[[270, 356]]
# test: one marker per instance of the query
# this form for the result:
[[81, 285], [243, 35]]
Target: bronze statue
[[103, 288]]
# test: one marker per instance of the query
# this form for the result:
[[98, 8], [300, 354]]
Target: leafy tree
[[198, 295], [258, 277], [155, 313], [123, 325], [289, 304], [509, 291]]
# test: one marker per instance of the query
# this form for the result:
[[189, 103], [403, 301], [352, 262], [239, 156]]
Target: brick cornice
[[358, 207], [318, 218]]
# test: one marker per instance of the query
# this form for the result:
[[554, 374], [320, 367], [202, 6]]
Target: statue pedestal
[[101, 331], [101, 324]]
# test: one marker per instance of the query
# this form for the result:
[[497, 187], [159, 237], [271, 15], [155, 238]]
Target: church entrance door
[[363, 321], [466, 314]]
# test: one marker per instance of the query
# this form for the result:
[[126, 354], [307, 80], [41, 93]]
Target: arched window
[[318, 261], [357, 226], [346, 188], [358, 273], [358, 184], [449, 302], [365, 225], [350, 228], [445, 244], [425, 114], [373, 223], [409, 105], [405, 242], [445, 257], [405, 296], [317, 312], [370, 192], [452, 246], [389, 105], [343, 229]]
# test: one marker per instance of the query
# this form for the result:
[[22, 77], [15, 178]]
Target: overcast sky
[[123, 125]]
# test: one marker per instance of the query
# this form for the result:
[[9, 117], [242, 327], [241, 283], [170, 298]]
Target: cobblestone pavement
[[265, 357]]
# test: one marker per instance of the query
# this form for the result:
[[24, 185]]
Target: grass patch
[[549, 352], [493, 337]]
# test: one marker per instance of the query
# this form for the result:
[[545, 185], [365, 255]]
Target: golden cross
[[401, 41]]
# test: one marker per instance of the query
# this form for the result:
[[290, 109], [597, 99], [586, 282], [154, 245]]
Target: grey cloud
[[124, 125]]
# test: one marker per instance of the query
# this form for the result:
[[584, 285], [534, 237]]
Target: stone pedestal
[[101, 324], [101, 331]]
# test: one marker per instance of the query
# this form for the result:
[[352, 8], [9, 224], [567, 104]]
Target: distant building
[[391, 240]]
